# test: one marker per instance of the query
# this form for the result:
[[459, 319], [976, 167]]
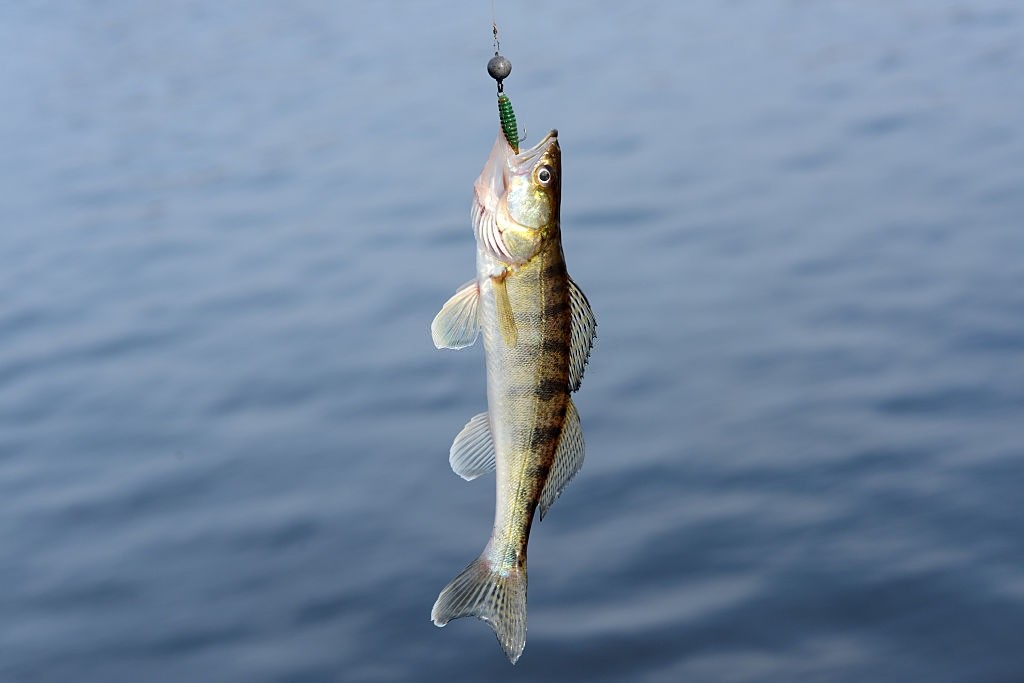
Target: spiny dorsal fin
[[583, 331]]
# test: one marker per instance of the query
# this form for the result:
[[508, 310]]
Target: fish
[[538, 330]]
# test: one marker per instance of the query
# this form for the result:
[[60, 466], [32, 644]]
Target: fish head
[[534, 190], [518, 199]]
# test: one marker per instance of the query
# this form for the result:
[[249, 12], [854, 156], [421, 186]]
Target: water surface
[[224, 429]]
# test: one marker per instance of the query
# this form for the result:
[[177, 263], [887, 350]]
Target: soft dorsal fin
[[457, 324], [584, 329], [472, 452], [568, 459]]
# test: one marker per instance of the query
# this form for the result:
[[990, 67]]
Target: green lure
[[508, 121]]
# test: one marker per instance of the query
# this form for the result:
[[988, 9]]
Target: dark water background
[[225, 228]]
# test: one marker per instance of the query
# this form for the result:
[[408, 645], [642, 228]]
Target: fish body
[[537, 330]]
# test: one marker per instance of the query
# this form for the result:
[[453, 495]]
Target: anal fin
[[472, 452]]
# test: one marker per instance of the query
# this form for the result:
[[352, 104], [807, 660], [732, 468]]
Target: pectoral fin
[[584, 329], [472, 452], [457, 325], [506, 319], [568, 460]]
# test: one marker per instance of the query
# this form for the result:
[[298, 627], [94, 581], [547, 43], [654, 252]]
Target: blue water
[[225, 228]]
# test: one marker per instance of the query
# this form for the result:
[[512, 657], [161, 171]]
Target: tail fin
[[498, 599]]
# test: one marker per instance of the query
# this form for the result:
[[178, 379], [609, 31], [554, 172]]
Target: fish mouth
[[503, 163], [538, 149]]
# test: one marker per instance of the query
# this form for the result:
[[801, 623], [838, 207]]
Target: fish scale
[[528, 390]]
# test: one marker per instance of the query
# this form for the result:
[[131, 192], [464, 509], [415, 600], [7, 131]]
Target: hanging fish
[[538, 330]]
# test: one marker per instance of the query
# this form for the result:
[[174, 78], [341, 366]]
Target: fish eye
[[544, 175]]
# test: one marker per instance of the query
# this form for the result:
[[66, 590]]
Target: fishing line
[[494, 28]]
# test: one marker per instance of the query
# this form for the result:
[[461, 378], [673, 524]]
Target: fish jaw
[[488, 190], [493, 179]]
